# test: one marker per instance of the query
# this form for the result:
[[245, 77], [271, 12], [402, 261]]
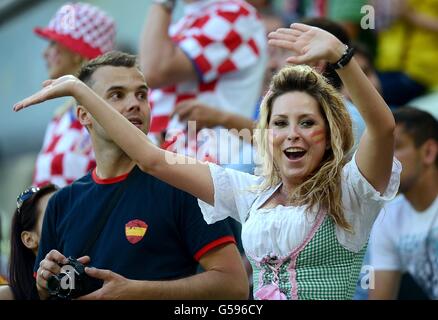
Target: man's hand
[[61, 87], [195, 110], [51, 265], [115, 287], [307, 44]]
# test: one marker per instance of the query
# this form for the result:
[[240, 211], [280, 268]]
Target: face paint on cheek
[[318, 136]]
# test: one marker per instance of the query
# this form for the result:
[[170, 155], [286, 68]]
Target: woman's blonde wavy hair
[[322, 189]]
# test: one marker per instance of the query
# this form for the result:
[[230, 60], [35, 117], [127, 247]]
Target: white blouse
[[278, 231]]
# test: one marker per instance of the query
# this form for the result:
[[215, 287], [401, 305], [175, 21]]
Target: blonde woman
[[307, 217]]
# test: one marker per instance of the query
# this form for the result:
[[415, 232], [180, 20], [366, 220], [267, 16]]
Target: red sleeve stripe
[[212, 245]]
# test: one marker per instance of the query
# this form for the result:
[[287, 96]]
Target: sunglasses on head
[[25, 195]]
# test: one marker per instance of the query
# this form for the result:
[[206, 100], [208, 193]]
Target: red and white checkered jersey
[[226, 42], [67, 152]]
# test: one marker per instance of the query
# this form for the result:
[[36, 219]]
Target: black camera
[[72, 282]]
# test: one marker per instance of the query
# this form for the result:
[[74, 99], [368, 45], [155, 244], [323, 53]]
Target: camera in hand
[[72, 282]]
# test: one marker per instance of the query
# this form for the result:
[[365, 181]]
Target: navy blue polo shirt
[[154, 232]]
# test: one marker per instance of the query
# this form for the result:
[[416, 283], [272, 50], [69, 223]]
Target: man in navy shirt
[[155, 235]]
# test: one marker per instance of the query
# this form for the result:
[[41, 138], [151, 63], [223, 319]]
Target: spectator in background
[[216, 54], [407, 48], [25, 237], [77, 32], [405, 235]]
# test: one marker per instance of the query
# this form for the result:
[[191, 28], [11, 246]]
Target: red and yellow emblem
[[135, 230]]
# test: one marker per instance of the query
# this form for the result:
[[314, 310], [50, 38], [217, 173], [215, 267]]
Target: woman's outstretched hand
[[307, 44], [61, 87]]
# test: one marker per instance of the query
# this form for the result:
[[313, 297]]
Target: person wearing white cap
[[77, 33]]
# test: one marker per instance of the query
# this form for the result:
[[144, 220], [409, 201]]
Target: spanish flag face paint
[[135, 230], [318, 136]]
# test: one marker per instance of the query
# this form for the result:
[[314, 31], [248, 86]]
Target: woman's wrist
[[344, 59]]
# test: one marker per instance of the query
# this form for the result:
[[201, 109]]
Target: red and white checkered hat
[[81, 27]]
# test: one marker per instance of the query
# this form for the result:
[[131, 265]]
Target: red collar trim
[[109, 180]]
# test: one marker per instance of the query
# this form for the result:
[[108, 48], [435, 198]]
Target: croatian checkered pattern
[[67, 152], [325, 270], [86, 22], [226, 42]]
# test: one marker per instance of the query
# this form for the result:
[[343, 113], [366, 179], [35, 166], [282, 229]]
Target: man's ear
[[429, 150], [83, 116], [30, 240]]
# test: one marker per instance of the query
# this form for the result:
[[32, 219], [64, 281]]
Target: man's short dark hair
[[418, 124], [112, 58]]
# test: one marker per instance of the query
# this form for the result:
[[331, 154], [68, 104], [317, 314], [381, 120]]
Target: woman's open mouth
[[294, 153]]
